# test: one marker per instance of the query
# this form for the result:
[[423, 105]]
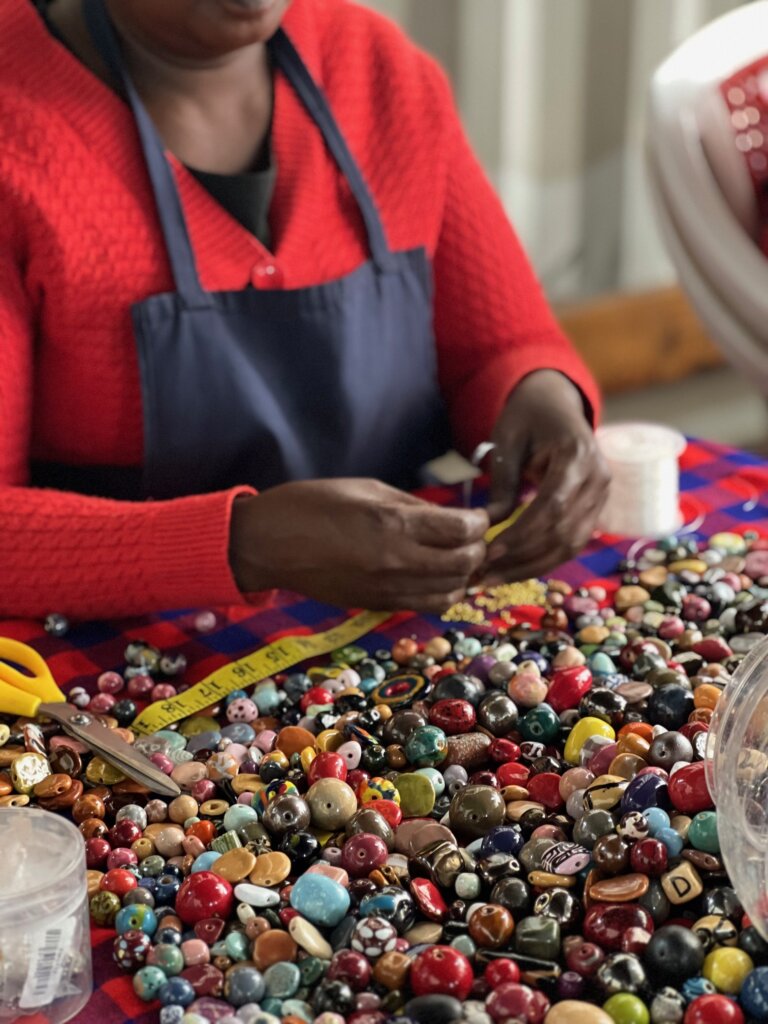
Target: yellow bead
[[727, 967], [307, 756], [581, 732]]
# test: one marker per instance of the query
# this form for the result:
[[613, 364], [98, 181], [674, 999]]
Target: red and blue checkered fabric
[[722, 489]]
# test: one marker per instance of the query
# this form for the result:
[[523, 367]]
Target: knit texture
[[80, 243]]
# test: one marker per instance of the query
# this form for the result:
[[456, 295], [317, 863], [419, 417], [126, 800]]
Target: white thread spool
[[643, 500]]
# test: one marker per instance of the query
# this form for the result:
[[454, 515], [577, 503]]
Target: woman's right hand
[[356, 543]]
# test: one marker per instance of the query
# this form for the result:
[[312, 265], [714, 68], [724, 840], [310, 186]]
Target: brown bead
[[621, 889], [93, 828], [391, 970], [53, 786], [273, 947], [66, 800], [611, 854], [88, 806], [491, 926]]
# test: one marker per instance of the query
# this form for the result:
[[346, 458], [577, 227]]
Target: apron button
[[263, 272]]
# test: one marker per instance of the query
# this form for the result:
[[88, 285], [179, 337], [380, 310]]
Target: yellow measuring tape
[[275, 657]]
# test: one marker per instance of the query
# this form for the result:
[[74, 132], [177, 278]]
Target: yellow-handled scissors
[[28, 688]]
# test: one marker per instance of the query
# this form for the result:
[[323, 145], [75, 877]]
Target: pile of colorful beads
[[483, 827]]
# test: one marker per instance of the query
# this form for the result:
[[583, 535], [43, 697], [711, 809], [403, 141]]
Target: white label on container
[[49, 953]]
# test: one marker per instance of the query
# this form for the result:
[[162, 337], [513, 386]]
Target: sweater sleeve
[[91, 557], [492, 322]]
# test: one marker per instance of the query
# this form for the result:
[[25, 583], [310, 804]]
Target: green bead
[[147, 982], [702, 833], [625, 1008], [426, 746], [349, 655], [312, 969], [238, 946], [168, 958], [417, 794], [104, 907], [541, 724]]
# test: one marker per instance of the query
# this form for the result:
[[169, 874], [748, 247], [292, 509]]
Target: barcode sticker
[[50, 951]]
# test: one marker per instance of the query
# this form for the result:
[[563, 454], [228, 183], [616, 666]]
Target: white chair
[[702, 189]]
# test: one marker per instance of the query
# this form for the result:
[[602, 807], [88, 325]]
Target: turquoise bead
[[541, 724], [147, 982], [238, 946], [282, 980], [321, 900], [702, 833], [434, 776], [239, 815], [426, 746]]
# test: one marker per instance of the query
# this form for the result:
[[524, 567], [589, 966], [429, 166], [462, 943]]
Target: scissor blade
[[86, 728]]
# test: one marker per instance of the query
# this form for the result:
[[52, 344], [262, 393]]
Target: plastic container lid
[[737, 776]]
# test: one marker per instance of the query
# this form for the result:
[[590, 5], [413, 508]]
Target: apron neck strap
[[290, 62], [168, 201]]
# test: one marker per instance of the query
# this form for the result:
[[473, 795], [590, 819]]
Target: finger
[[446, 527], [506, 470]]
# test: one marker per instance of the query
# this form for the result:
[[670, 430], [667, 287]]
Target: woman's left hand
[[543, 438]]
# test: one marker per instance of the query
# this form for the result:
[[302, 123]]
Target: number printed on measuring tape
[[49, 953], [276, 657]]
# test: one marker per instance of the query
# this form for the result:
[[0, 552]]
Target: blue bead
[[502, 839], [204, 861], [136, 917], [672, 840], [656, 818], [754, 994], [176, 991], [644, 792], [321, 900]]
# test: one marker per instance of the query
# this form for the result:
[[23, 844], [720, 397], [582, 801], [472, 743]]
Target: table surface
[[721, 489]]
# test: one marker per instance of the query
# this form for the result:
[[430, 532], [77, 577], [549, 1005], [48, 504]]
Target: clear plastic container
[[45, 950], [737, 776]]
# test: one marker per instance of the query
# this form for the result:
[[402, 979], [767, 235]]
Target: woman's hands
[[356, 543], [543, 437]]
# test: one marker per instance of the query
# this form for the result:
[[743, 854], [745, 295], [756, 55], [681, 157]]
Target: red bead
[[517, 1002], [119, 881], [351, 967], [316, 695], [388, 809], [363, 853], [688, 789], [124, 832], [568, 686], [429, 899], [714, 1009], [96, 852], [498, 972], [327, 766], [503, 750], [512, 774], [202, 895], [649, 857], [453, 716], [442, 970], [545, 788], [605, 923]]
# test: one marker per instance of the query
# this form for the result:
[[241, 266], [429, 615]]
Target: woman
[[219, 225]]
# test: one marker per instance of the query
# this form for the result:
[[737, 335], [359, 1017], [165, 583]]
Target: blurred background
[[553, 95]]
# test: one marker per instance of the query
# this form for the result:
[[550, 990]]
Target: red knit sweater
[[80, 242]]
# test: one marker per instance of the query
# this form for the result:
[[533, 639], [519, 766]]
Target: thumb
[[506, 472]]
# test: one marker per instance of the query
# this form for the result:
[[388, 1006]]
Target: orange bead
[[706, 696], [644, 729], [205, 831]]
